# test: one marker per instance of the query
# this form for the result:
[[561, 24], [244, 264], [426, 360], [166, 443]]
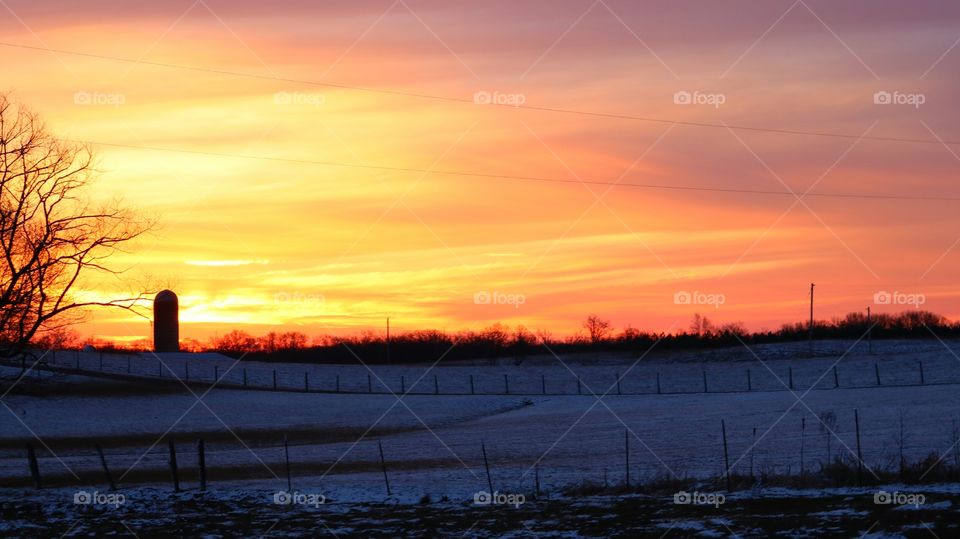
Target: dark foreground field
[[786, 514]]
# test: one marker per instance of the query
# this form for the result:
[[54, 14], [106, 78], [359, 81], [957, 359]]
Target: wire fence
[[642, 448], [478, 380], [624, 457]]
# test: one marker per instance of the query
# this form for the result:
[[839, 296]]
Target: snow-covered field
[[432, 443], [680, 372], [252, 513]]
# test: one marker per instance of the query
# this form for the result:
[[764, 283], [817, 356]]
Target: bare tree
[[50, 232], [544, 336], [701, 325], [598, 328], [734, 328]]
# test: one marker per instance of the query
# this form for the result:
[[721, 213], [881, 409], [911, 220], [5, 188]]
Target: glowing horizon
[[286, 244]]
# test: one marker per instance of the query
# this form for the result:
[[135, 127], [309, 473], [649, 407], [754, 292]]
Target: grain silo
[[166, 322]]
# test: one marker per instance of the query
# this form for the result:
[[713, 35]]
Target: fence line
[[140, 368], [485, 461]]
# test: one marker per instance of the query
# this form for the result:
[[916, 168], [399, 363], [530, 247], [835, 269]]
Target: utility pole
[[811, 318], [388, 339], [869, 331]]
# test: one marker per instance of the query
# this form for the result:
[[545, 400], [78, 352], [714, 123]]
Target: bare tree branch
[[50, 233]]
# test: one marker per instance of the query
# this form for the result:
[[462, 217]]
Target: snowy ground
[[432, 443], [251, 513]]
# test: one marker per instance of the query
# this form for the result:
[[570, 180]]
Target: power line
[[666, 187], [451, 99]]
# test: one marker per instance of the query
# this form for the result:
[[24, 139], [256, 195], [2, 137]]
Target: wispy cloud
[[226, 263]]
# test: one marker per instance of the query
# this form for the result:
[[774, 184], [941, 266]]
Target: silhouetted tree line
[[597, 335]]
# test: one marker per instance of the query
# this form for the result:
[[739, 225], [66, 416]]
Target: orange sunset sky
[[294, 242]]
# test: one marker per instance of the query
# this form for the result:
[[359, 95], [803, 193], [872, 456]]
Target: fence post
[[705, 388], [836, 379], [876, 369], [471, 385], [543, 384], [338, 383], [274, 379], [856, 423], [201, 459], [244, 377], [286, 458], [403, 385], [369, 384], [34, 465], [790, 372], [216, 373], [436, 385], [383, 466], [618, 384], [749, 382], [536, 479], [626, 451], [803, 430], [106, 471], [726, 458], [306, 381], [578, 386], [486, 465], [658, 383], [173, 467], [506, 385], [922, 382]]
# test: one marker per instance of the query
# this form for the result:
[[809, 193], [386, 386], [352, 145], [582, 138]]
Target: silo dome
[[166, 322]]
